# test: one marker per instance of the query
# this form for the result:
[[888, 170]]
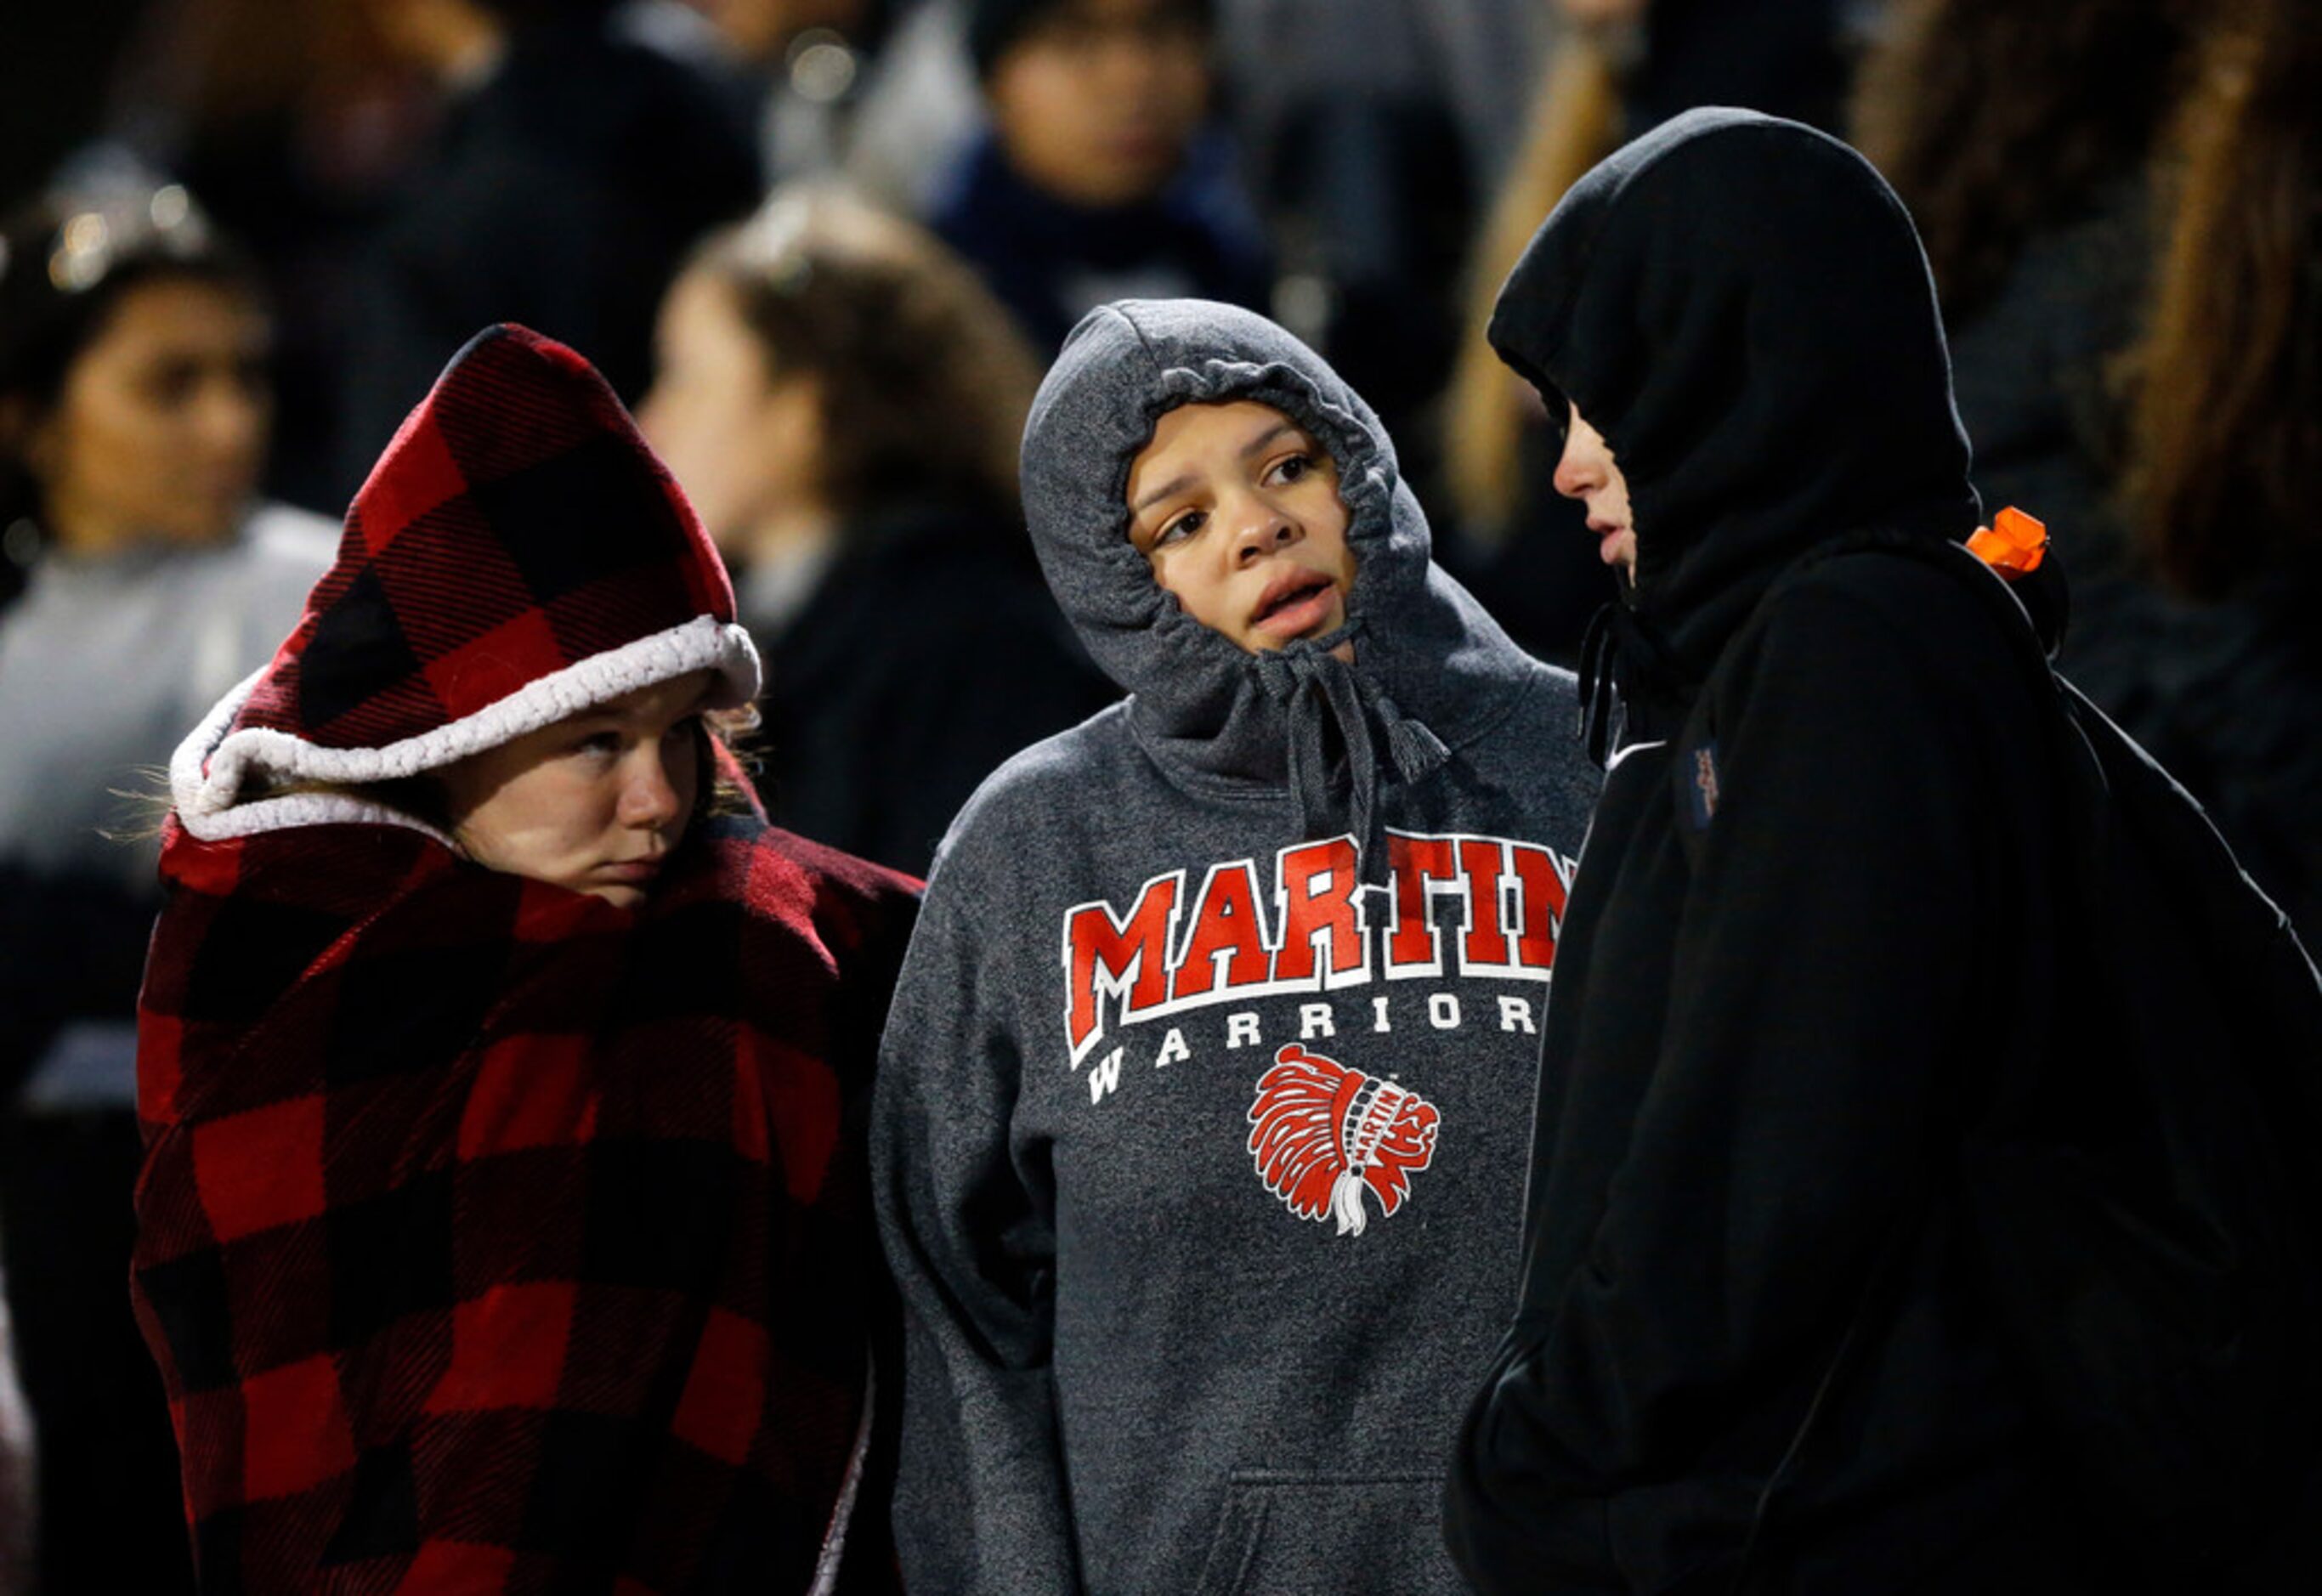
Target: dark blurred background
[[56, 64]]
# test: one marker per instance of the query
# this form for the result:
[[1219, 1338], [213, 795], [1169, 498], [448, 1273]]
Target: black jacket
[[2236, 716], [1788, 58], [1814, 919], [929, 652]]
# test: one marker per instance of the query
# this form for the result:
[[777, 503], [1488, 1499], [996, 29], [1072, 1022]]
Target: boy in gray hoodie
[[1203, 1108]]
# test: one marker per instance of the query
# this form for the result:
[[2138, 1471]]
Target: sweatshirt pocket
[[1310, 1535]]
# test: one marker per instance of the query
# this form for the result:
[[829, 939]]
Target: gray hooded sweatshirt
[[1204, 1109]]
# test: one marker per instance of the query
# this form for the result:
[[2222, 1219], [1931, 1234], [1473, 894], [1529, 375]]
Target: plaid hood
[[517, 555]]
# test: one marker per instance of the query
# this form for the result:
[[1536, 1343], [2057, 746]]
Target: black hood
[[1739, 304]]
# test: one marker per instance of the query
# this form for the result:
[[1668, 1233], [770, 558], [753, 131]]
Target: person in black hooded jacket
[[1815, 919]]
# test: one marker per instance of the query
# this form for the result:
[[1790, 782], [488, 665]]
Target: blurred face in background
[[1096, 100], [160, 429], [741, 442]]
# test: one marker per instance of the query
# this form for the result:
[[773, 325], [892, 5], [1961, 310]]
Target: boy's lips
[[1608, 532], [1294, 603]]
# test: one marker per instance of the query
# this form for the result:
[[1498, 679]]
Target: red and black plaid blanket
[[494, 1239]]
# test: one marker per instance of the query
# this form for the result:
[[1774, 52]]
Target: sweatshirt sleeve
[[981, 1502], [1824, 955]]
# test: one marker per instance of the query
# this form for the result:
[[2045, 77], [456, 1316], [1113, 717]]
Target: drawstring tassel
[[1347, 1202], [1415, 749]]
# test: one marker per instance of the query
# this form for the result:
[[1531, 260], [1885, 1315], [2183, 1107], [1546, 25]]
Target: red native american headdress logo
[[1322, 1133]]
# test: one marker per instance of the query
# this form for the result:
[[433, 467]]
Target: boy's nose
[[1574, 476], [1262, 527]]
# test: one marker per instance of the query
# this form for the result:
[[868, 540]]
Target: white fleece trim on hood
[[212, 764]]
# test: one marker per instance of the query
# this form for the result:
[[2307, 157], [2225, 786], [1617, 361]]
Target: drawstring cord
[[1622, 658], [1318, 690], [1598, 668]]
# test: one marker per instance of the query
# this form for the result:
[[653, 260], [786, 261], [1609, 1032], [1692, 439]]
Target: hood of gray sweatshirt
[[1201, 1128], [1433, 670]]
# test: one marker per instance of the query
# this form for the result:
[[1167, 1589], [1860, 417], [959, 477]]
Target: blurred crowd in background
[[826, 247]]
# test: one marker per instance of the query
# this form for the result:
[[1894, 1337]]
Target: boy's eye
[[598, 744], [1182, 528], [1294, 468]]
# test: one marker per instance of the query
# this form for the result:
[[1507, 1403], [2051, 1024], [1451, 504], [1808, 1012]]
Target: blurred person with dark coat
[[1372, 166], [841, 398], [2224, 490], [1788, 58], [142, 578], [2023, 137], [1102, 176], [294, 121], [575, 168]]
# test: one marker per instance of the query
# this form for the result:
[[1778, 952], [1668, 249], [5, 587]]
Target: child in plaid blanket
[[504, 1228]]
